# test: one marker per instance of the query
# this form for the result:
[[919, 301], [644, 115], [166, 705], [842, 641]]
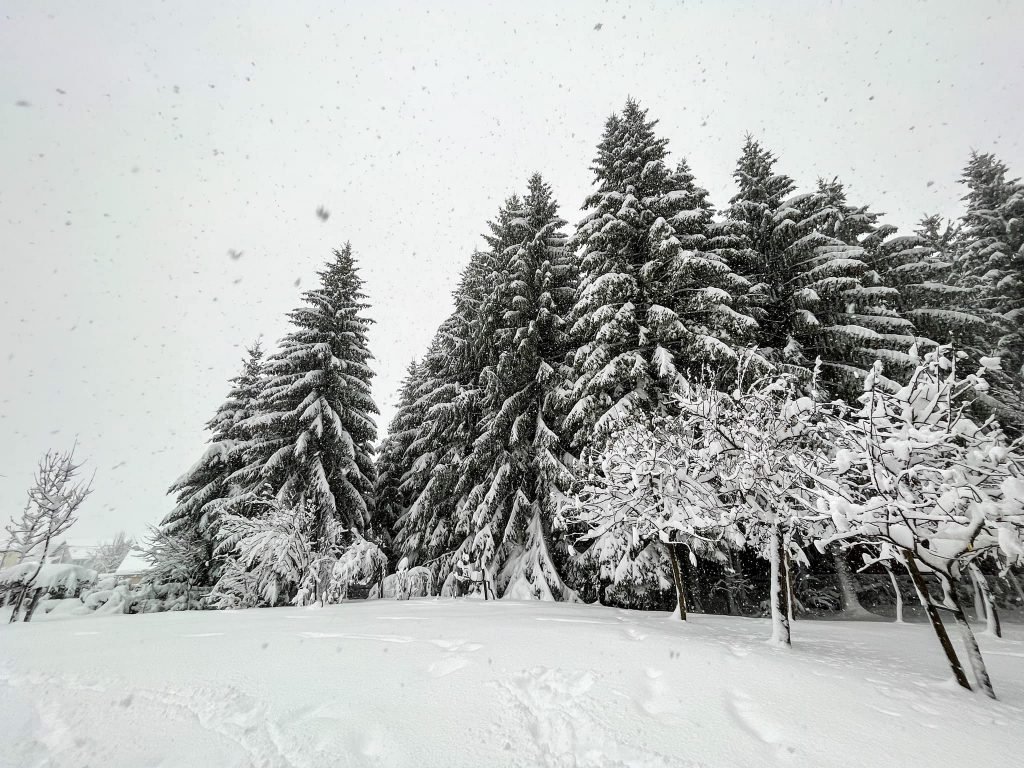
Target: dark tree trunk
[[36, 597], [729, 595], [17, 604], [677, 576], [936, 620], [952, 602]]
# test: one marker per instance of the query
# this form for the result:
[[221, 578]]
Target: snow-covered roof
[[134, 563]]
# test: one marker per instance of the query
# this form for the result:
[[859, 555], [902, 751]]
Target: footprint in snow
[[746, 714]]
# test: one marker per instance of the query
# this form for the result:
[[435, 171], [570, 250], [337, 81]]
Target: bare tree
[[110, 555], [53, 502]]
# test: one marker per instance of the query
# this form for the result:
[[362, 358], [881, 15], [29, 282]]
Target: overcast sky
[[141, 142]]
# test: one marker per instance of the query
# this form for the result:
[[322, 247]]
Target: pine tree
[[992, 257], [392, 458], [315, 429], [203, 490], [813, 294], [649, 302], [516, 462], [448, 398]]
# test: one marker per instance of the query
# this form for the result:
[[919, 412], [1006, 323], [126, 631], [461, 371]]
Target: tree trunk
[[30, 582], [896, 591], [779, 597], [952, 602], [1012, 578], [787, 569], [17, 604], [992, 625], [849, 602], [677, 577], [935, 619], [979, 601], [729, 595], [36, 597]]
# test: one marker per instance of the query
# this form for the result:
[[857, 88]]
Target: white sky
[[141, 141]]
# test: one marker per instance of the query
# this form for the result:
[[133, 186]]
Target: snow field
[[469, 683]]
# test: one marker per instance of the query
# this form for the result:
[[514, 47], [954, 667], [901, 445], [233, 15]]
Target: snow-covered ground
[[482, 684]]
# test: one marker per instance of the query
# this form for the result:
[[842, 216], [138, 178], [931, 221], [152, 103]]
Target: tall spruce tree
[[315, 428], [657, 298], [989, 268], [448, 398], [392, 458], [648, 303], [516, 462], [812, 292], [992, 253], [202, 491]]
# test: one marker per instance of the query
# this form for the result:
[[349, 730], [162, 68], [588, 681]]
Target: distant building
[[133, 567]]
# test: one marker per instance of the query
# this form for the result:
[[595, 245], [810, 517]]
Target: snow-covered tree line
[[564, 347], [556, 344]]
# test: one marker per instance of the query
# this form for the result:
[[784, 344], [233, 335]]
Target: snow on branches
[[52, 506], [917, 477]]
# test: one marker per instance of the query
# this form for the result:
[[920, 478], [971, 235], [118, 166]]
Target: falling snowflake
[[235, 255], [323, 213]]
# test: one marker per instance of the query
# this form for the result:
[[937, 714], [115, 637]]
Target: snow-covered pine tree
[[392, 457], [314, 432], [657, 297], [991, 261], [812, 294], [202, 491], [447, 397], [647, 301], [516, 462]]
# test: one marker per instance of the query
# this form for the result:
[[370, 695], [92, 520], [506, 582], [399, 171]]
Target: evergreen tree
[[991, 262], [202, 491], [516, 462], [813, 294], [646, 304], [392, 458], [918, 267], [315, 427], [447, 398], [657, 298]]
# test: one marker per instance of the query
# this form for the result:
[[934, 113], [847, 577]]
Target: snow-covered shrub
[[270, 557], [362, 561], [179, 560], [420, 583]]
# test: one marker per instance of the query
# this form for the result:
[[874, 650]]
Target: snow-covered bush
[[419, 583], [362, 561], [270, 558]]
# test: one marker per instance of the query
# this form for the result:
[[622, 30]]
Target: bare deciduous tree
[[53, 502]]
